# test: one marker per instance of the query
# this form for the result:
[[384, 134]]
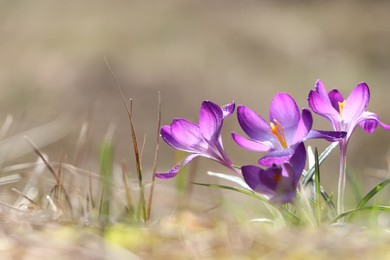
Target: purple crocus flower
[[345, 114], [279, 182], [286, 129], [203, 139]]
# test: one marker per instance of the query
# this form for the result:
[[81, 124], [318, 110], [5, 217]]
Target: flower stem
[[342, 177]]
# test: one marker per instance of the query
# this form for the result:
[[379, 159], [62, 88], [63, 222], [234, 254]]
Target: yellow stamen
[[341, 107], [277, 130]]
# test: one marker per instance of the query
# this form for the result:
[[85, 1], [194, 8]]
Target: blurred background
[[52, 66]]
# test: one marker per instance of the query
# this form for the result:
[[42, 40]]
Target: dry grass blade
[[155, 157], [48, 165], [36, 204], [57, 178], [134, 140]]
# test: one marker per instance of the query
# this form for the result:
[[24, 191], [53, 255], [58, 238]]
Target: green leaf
[[231, 178], [372, 193], [285, 211], [354, 211], [317, 187], [106, 166], [309, 174]]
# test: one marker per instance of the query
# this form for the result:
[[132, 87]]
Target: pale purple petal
[[251, 145], [320, 89], [276, 157], [331, 136], [228, 109], [254, 125], [176, 169], [210, 121], [335, 98], [323, 107], [168, 138], [283, 197], [304, 126], [285, 111], [188, 134], [369, 122], [259, 180], [356, 102]]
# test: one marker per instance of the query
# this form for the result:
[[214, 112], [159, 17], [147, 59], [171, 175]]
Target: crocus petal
[[285, 111], [335, 98], [297, 162], [251, 145], [369, 122], [260, 180], [283, 197], [228, 109], [304, 126], [320, 89], [322, 106], [356, 102], [210, 121], [276, 157], [254, 125], [331, 136], [176, 169], [188, 134], [166, 134]]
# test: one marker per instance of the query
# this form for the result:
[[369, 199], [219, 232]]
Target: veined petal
[[210, 121], [188, 135], [322, 106], [251, 145], [284, 109], [166, 135], [335, 98], [228, 109], [304, 126], [369, 122], [262, 181], [254, 125], [356, 102], [331, 136], [277, 157], [176, 169]]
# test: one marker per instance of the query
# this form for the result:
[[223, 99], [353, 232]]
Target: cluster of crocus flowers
[[286, 129], [281, 138]]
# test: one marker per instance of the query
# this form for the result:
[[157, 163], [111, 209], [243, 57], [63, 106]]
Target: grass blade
[[372, 193], [317, 184], [354, 211], [309, 175], [106, 166], [250, 193], [141, 203], [155, 158]]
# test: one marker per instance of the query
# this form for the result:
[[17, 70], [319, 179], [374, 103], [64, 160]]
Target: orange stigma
[[341, 107], [277, 130]]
